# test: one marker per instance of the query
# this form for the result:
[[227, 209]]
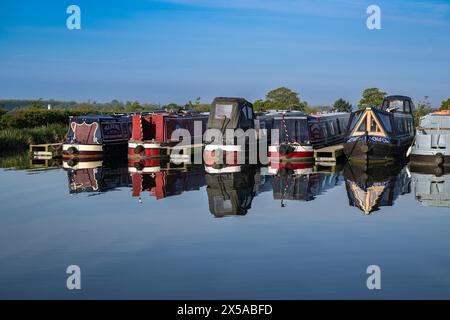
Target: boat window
[[355, 118], [332, 130], [385, 121], [323, 126], [362, 126], [343, 123], [249, 112], [400, 125], [410, 126], [302, 127], [398, 104], [407, 107], [373, 126], [244, 112], [338, 127], [223, 110]]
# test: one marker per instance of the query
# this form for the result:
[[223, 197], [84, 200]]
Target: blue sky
[[176, 50]]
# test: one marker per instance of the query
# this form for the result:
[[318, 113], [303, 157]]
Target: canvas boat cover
[[231, 113]]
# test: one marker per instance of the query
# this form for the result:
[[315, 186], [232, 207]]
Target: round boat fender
[[438, 171], [139, 166], [364, 148], [72, 150], [439, 159], [73, 162], [139, 149]]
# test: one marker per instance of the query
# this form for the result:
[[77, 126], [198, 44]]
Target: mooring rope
[[286, 134]]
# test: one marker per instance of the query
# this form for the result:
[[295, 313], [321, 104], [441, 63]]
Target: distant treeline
[[14, 104]]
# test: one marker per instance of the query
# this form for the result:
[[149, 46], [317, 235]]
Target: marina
[[138, 221]]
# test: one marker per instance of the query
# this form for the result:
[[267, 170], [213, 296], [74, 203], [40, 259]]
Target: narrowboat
[[165, 182], [152, 134], [237, 135], [432, 142], [300, 134], [381, 134], [431, 190], [90, 136], [371, 186]]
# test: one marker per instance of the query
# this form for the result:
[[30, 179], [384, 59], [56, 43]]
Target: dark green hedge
[[30, 118]]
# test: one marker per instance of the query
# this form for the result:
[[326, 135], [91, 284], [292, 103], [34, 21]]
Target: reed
[[12, 139]]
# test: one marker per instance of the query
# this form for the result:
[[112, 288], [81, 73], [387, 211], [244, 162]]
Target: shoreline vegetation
[[25, 122]]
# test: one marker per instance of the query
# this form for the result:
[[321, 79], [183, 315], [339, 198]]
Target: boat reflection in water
[[300, 181], [431, 189], [163, 178], [231, 189], [96, 176], [370, 187]]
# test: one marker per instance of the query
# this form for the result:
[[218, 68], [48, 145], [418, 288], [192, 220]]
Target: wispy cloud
[[326, 7], [418, 12]]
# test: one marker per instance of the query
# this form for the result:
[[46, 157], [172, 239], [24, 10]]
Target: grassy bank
[[12, 139]]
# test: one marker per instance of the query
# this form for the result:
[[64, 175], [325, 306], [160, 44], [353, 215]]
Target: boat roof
[[328, 114], [230, 99], [397, 97], [99, 117]]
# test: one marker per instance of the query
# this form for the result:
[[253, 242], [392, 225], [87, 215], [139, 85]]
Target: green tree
[[37, 104], [342, 105], [259, 105], [284, 98], [423, 108], [445, 105], [171, 106], [133, 106], [371, 97]]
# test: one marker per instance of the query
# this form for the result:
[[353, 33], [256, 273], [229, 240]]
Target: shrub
[[16, 139]]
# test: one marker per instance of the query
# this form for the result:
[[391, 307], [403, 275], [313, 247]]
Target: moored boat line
[[373, 134]]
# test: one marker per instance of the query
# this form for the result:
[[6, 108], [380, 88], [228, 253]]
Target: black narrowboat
[[381, 134], [250, 133]]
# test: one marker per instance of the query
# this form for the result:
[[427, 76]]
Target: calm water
[[251, 234]]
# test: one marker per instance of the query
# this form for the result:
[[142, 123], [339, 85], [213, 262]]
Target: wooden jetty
[[46, 150], [329, 154]]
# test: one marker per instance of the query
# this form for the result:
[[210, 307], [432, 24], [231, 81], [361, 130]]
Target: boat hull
[[369, 150], [437, 159], [293, 154]]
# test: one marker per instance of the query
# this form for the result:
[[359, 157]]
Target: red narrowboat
[[152, 134]]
